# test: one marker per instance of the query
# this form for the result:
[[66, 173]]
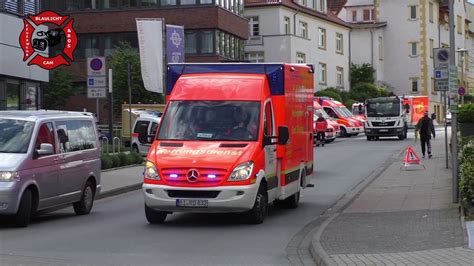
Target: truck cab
[[233, 138], [386, 117]]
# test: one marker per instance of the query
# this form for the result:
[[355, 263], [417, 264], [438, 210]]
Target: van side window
[[141, 127], [46, 136], [154, 127], [330, 112], [268, 120], [76, 135]]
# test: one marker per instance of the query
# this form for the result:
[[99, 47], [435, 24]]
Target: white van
[[144, 131]]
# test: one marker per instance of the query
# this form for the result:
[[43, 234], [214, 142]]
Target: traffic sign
[[96, 82], [461, 91], [441, 57], [454, 108], [97, 92], [441, 73], [441, 85], [96, 66]]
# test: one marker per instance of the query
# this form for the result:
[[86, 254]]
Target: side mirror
[[283, 135], [267, 141], [45, 149], [150, 138]]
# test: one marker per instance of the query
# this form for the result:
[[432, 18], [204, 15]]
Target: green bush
[[136, 158], [463, 141], [349, 103], [115, 161], [124, 159], [106, 161], [364, 91], [329, 92], [466, 113], [467, 174]]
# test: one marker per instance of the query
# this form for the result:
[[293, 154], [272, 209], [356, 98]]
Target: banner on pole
[[150, 41], [174, 44]]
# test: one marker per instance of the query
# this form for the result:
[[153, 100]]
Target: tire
[[23, 215], [369, 138], [344, 133], [260, 208], [135, 149], [401, 137], [155, 217], [84, 206]]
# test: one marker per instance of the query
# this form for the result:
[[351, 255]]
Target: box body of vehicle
[[216, 146], [448, 117], [53, 154], [386, 117], [144, 128], [350, 126], [415, 107]]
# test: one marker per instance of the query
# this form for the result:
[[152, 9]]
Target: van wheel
[[155, 217], [84, 206], [401, 137], [23, 215], [260, 208], [344, 133], [135, 148]]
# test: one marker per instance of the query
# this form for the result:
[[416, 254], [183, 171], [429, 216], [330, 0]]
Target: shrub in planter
[[124, 159], [136, 158], [466, 119], [106, 161], [115, 161], [467, 174]]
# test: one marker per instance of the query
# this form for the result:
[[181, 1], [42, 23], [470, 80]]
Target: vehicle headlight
[[151, 172], [9, 176], [351, 123], [242, 172]]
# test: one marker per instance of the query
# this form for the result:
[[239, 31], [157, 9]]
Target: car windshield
[[378, 108], [355, 110], [320, 111], [210, 120], [15, 135], [341, 112]]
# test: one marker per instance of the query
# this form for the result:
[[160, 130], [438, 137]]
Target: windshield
[[210, 120], [15, 135], [383, 108], [340, 111], [358, 110], [320, 111]]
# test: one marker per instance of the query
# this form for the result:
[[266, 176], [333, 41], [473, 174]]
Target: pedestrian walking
[[425, 128], [321, 126]]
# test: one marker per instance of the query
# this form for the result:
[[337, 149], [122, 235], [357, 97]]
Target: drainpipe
[[350, 59], [372, 47], [294, 22]]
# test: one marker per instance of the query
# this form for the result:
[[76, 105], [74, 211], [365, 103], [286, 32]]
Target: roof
[[39, 114], [329, 16], [336, 5]]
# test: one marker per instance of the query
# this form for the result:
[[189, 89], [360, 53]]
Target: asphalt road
[[116, 232]]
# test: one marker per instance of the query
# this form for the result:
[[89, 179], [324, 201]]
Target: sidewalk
[[401, 218], [121, 181]]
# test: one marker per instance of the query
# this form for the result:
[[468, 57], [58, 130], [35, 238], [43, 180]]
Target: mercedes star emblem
[[192, 175]]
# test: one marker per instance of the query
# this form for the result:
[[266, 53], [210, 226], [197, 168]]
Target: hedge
[[466, 113], [467, 173], [121, 159]]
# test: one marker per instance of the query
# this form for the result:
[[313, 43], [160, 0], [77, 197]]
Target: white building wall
[[365, 50]]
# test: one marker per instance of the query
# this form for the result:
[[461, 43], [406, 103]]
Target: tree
[[330, 92], [119, 63], [58, 90], [364, 91], [361, 73]]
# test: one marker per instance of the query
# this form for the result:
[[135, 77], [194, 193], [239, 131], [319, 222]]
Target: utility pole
[[454, 126], [111, 105], [130, 101]]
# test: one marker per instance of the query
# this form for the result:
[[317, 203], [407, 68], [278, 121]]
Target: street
[[116, 232]]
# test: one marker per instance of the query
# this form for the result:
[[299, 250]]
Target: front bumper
[[354, 130], [389, 132], [229, 198], [9, 201]]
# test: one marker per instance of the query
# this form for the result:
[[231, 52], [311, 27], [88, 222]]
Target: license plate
[[191, 203], [383, 130]]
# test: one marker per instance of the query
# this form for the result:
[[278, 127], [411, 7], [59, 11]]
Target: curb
[[120, 168], [317, 251], [118, 191]]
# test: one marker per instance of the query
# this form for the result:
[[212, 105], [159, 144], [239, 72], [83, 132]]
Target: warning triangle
[[411, 159]]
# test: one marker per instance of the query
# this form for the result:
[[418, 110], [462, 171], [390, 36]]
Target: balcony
[[254, 40]]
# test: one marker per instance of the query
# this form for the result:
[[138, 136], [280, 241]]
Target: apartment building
[[300, 32]]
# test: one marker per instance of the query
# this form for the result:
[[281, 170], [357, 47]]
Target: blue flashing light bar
[[173, 176], [274, 72], [211, 176]]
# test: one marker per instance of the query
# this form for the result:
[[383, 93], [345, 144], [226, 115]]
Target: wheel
[[84, 205], [369, 138], [135, 148], [401, 137], [344, 132], [260, 208], [155, 217], [23, 215]]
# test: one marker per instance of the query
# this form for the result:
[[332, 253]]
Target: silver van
[[47, 159]]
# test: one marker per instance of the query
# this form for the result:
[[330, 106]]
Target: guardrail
[[104, 140], [119, 143]]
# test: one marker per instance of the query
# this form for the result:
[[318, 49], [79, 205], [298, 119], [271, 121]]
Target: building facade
[[300, 32], [20, 84]]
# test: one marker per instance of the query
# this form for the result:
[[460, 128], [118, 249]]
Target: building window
[[190, 41], [431, 11], [366, 14], [322, 73], [459, 25], [414, 85], [255, 57], [413, 49], [322, 6], [303, 30], [340, 76], [354, 15], [380, 48], [287, 25], [167, 2], [413, 12], [207, 42], [322, 38], [300, 58], [431, 47], [254, 28], [339, 43]]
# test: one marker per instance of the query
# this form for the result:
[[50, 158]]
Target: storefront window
[[13, 96], [207, 42]]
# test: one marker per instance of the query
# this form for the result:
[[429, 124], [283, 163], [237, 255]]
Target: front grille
[[383, 124], [193, 194], [178, 176]]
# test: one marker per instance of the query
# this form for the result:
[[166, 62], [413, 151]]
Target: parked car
[[448, 117], [144, 129], [47, 159]]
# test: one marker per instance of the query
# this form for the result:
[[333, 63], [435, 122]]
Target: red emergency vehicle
[[233, 138], [350, 126], [333, 129], [416, 107]]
